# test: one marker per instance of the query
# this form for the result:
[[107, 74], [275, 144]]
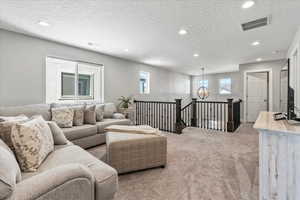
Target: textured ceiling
[[148, 29]]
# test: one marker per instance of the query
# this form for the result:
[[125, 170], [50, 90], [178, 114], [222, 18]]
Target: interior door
[[257, 94]]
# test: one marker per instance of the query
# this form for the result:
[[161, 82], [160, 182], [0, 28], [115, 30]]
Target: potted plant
[[125, 102]]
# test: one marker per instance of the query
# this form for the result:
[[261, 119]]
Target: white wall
[[22, 71], [213, 85], [237, 83], [276, 67]]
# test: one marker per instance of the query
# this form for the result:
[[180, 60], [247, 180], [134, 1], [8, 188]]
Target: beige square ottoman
[[128, 152]]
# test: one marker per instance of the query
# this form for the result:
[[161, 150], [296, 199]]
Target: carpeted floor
[[202, 165]]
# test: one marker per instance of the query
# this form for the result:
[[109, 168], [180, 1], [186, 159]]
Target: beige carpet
[[202, 165]]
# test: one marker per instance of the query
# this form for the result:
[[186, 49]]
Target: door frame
[[270, 99]]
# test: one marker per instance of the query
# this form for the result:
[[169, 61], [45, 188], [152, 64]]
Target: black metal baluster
[[168, 117], [137, 113], [224, 115]]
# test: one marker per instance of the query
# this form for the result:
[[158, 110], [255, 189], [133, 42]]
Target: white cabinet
[[279, 159]]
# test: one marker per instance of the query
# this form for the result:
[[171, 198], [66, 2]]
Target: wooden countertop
[[266, 122]]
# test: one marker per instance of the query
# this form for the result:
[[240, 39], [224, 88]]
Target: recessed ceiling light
[[196, 55], [126, 50], [259, 59], [255, 43], [182, 32], [43, 23], [275, 52], [248, 4]]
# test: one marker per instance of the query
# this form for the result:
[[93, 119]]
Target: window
[[73, 81], [85, 82], [225, 86], [144, 82], [203, 83]]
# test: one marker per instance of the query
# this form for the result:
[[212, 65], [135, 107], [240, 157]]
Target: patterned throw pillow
[[99, 112], [63, 117], [90, 115], [32, 141], [78, 118], [6, 126]]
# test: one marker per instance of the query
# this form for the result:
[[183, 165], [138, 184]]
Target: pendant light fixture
[[202, 92]]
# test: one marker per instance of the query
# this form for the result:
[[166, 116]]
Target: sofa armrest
[[72, 181]]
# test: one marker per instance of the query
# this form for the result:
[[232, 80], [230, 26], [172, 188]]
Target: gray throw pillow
[[90, 115], [109, 110], [58, 135], [99, 112], [78, 118], [10, 173]]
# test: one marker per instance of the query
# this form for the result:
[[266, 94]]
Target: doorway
[[257, 94]]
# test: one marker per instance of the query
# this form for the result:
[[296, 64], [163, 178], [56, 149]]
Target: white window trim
[[220, 86], [148, 80], [101, 92]]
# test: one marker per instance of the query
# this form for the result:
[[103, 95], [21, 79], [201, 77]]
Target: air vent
[[256, 23]]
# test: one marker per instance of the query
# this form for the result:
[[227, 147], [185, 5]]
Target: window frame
[[201, 85], [54, 80], [220, 86], [76, 82], [147, 90]]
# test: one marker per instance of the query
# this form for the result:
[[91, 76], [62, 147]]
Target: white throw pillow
[[118, 116]]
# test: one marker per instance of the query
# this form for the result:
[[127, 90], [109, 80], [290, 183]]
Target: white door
[[257, 94]]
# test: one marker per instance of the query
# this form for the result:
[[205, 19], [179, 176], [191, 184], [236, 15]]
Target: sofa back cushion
[[109, 110], [10, 173], [99, 112], [32, 141], [28, 110], [59, 137], [90, 115]]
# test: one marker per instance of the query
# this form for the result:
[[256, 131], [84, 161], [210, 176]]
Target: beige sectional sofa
[[61, 176], [85, 136]]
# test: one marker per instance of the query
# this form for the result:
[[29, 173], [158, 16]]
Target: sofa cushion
[[10, 173], [32, 142], [58, 135], [78, 118], [78, 132], [99, 112], [107, 122], [90, 115], [63, 116], [105, 176], [109, 110], [28, 110]]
